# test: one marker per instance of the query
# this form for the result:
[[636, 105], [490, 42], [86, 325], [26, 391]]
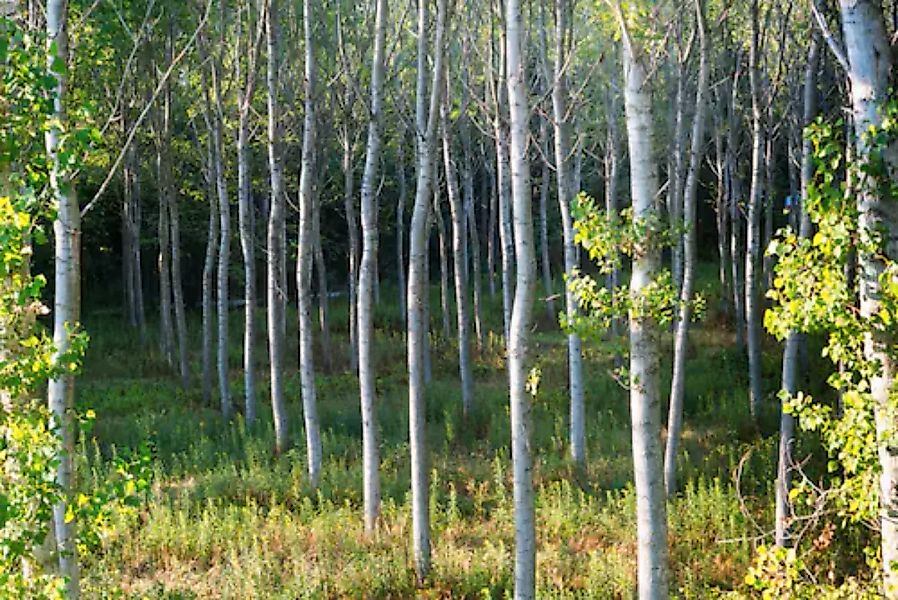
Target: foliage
[[28, 445], [607, 240], [29, 439], [814, 291]]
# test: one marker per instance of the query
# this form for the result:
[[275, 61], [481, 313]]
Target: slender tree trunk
[[445, 309], [545, 260], [400, 222], [503, 181], [721, 214], [66, 302], [137, 216], [304, 259], [166, 328], [178, 293], [491, 228], [211, 257], [128, 241], [794, 340], [367, 275], [769, 200], [224, 247], [518, 340], [276, 276], [353, 229], [690, 193], [426, 125], [506, 239], [323, 299], [131, 254], [645, 350], [869, 57], [167, 335], [675, 174], [612, 208], [467, 178], [170, 258], [565, 197], [460, 258], [247, 224], [470, 214], [753, 241], [737, 248], [428, 331]]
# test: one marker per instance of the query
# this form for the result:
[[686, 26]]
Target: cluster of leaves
[[814, 291], [780, 573], [29, 446], [122, 492], [607, 239]]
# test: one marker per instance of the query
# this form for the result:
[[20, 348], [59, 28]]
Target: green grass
[[228, 519]]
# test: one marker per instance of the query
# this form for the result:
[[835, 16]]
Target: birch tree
[[276, 240], [645, 401], [753, 231], [868, 57], [467, 187], [211, 255], [518, 342], [246, 217], [224, 246], [67, 297], [460, 259], [304, 258], [690, 194], [427, 113], [170, 198], [496, 82], [561, 124], [370, 450]]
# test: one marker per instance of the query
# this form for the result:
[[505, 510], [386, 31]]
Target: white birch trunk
[[460, 258], [566, 194], [503, 182], [304, 259], [645, 400], [66, 303], [737, 249], [400, 223], [246, 219], [166, 331], [690, 199], [367, 276], [721, 213], [210, 259], [276, 276], [224, 246], [467, 178], [545, 260], [352, 227], [493, 210], [426, 125], [519, 333], [753, 234], [323, 300], [869, 56], [445, 310]]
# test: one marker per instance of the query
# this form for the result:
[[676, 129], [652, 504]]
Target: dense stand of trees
[[492, 104]]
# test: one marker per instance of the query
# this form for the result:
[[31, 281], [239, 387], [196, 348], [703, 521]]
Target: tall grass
[[227, 518]]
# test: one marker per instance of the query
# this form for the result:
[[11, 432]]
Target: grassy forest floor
[[225, 518]]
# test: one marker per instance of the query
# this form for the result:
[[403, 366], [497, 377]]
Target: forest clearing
[[438, 299]]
